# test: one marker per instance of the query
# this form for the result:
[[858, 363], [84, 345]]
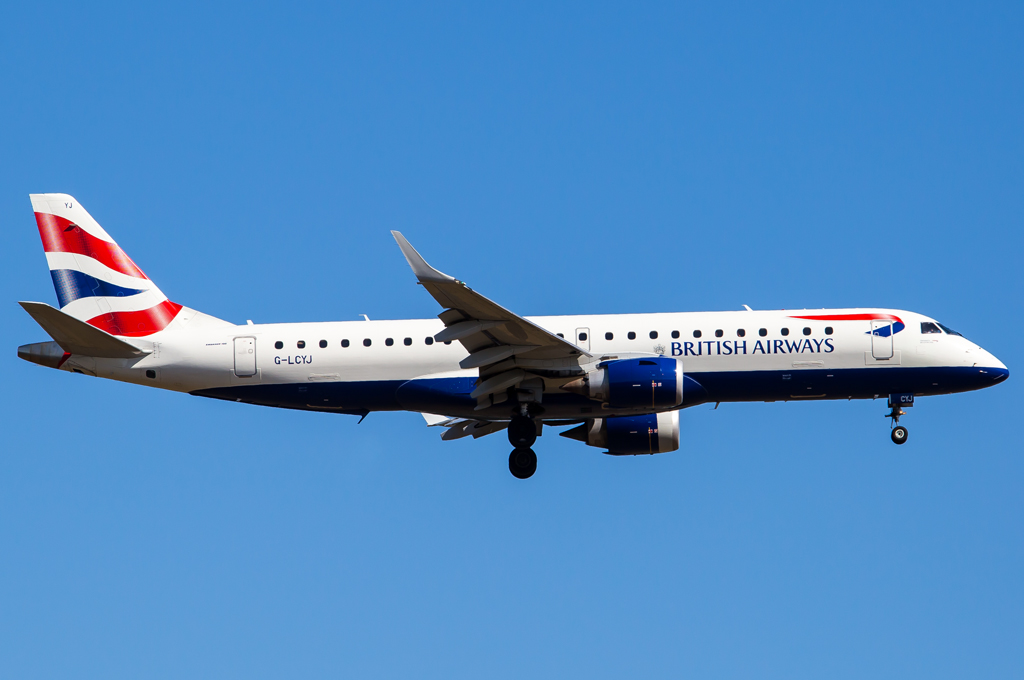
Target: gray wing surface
[[500, 343]]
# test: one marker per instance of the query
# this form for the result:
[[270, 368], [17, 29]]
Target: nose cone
[[994, 368], [998, 374]]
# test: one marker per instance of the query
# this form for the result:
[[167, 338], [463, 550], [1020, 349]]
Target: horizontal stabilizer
[[78, 337]]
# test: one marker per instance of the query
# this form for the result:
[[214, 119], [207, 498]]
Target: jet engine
[[630, 435], [655, 382]]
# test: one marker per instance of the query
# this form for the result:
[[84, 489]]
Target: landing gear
[[899, 432], [522, 463], [522, 433]]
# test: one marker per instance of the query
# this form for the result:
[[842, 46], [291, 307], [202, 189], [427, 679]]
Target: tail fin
[[95, 280]]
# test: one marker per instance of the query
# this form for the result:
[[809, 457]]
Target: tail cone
[[48, 354]]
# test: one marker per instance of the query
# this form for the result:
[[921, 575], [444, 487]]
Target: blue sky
[[575, 158]]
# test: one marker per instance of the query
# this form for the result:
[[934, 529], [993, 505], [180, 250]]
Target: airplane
[[617, 381]]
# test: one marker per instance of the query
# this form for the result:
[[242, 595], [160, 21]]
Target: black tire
[[522, 432], [899, 435], [522, 463]]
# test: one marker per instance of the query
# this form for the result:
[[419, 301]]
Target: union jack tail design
[[95, 280]]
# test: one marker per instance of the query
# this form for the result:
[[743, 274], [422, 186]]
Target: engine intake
[[630, 435], [656, 382]]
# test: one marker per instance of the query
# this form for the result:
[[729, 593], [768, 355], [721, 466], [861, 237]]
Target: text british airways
[[730, 347]]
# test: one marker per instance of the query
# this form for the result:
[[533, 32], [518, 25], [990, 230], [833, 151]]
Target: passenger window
[[763, 332], [654, 335], [741, 333], [429, 340], [828, 330], [696, 334], [367, 342], [278, 345], [583, 337], [323, 344], [719, 333], [300, 344], [928, 327], [807, 331], [675, 335], [407, 341], [631, 335], [560, 335], [608, 336], [344, 343], [389, 342], [785, 331]]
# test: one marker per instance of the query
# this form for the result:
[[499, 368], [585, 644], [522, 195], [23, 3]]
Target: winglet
[[422, 270]]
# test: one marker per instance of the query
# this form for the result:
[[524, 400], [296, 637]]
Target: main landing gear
[[522, 463], [899, 432], [522, 433]]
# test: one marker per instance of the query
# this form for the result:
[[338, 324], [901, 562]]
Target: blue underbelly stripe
[[450, 396]]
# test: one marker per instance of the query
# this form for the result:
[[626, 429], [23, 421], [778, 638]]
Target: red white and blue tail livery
[[617, 382], [95, 280]]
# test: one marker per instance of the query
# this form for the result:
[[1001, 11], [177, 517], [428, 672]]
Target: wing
[[501, 344]]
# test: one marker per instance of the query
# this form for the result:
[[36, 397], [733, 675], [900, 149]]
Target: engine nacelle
[[631, 435], [655, 383]]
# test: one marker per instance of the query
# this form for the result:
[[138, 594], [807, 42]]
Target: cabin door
[[245, 357], [881, 339]]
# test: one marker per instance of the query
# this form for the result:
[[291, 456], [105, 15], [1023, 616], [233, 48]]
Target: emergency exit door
[[881, 339], [583, 338], [245, 357]]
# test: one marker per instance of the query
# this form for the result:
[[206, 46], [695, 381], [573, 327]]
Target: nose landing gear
[[899, 432]]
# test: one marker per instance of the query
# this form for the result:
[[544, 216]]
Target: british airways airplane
[[617, 381]]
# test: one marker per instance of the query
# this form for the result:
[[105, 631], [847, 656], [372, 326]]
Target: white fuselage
[[361, 366]]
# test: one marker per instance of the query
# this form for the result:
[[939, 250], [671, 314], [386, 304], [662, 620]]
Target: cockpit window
[[949, 330], [929, 327]]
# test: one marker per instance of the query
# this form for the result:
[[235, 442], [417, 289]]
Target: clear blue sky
[[561, 159]]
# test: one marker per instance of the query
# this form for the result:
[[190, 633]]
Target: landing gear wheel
[[899, 435], [522, 463], [522, 432]]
